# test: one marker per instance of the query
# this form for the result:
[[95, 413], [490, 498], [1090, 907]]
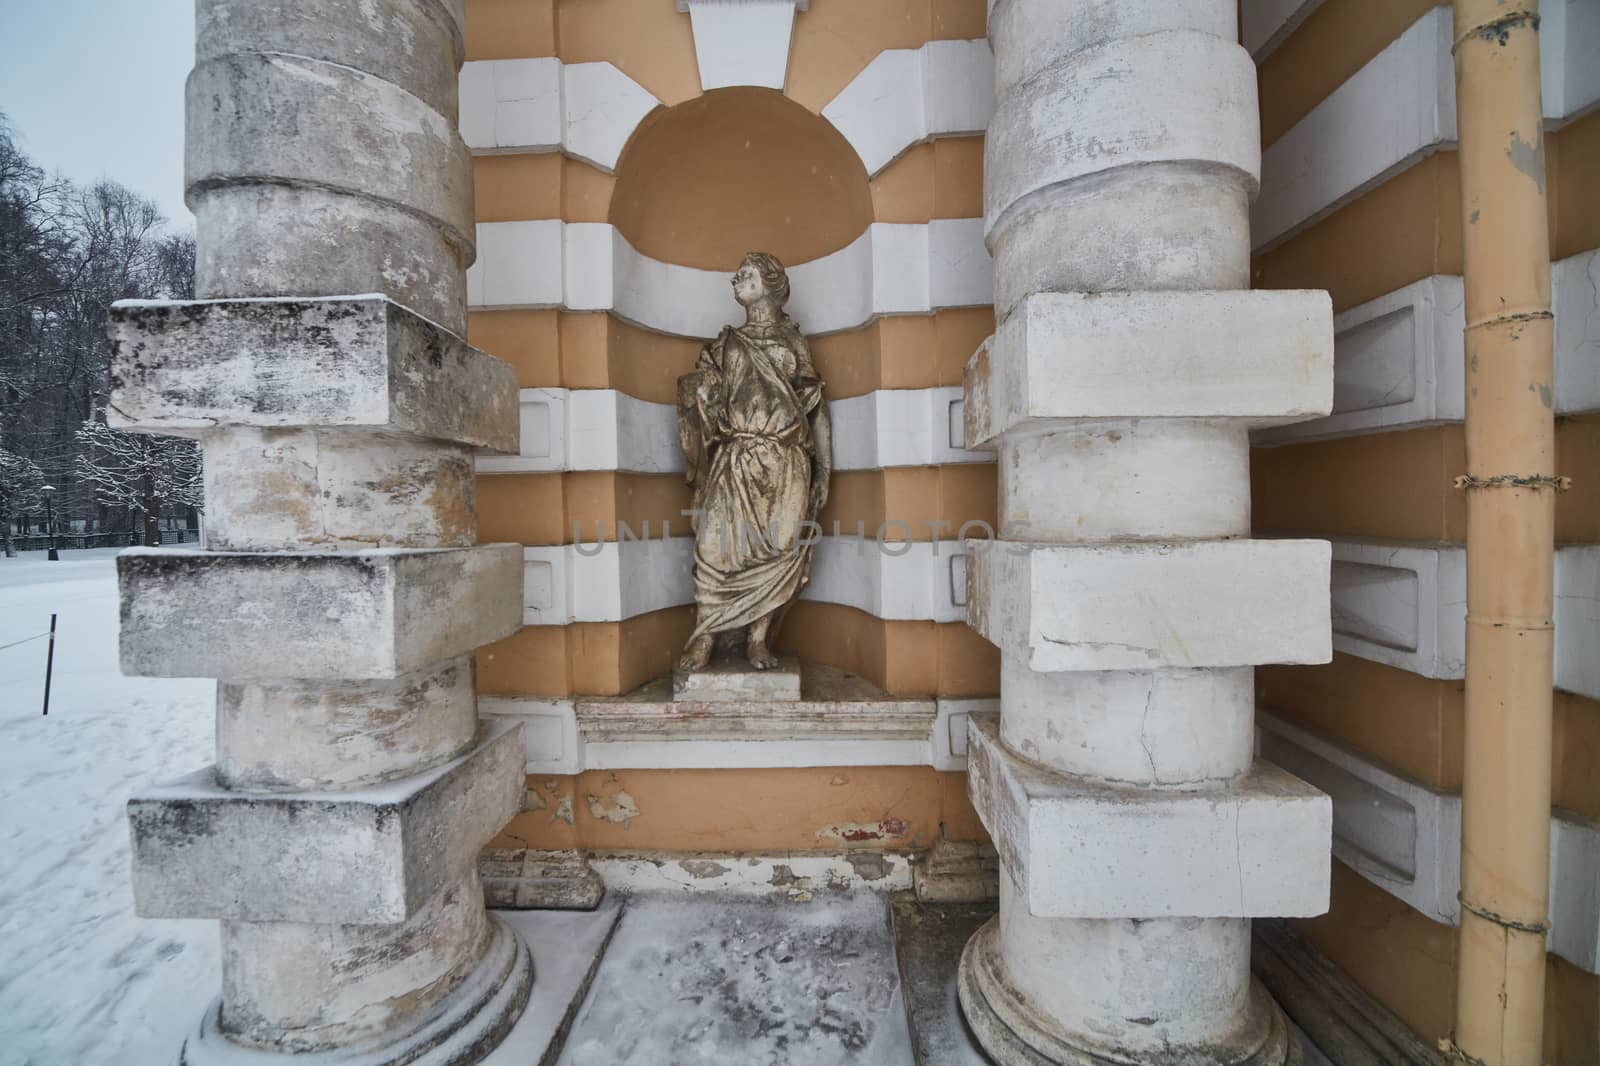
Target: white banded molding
[[1397, 360], [909, 95], [584, 110], [892, 268], [1406, 838], [591, 429], [568, 736], [603, 429], [1399, 109], [1405, 605], [612, 580], [742, 42], [1265, 24], [589, 110]]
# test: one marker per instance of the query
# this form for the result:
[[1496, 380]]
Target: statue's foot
[[697, 654], [760, 657]]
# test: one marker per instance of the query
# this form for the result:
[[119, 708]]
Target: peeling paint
[[860, 832], [532, 801], [1528, 158], [703, 868], [618, 808], [563, 811]]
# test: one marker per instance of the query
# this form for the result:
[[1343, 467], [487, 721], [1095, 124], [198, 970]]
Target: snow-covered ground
[[83, 981]]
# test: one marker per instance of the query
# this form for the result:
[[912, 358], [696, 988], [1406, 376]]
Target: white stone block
[[371, 856], [839, 291], [1195, 102], [184, 368], [550, 738], [900, 268], [339, 616], [1265, 24], [520, 264], [1076, 849], [890, 269], [511, 105], [1143, 606], [905, 96], [588, 266], [896, 580], [741, 42], [683, 301], [1403, 605], [960, 269], [1403, 837], [951, 727], [1391, 113], [1575, 890], [1569, 58], [606, 581], [1260, 357], [1575, 298], [1406, 839], [1577, 617], [600, 108], [900, 427], [1397, 361]]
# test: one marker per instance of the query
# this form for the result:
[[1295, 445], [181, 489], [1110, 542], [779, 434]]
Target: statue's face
[[747, 285]]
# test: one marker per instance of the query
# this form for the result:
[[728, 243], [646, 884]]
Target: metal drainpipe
[[1511, 486]]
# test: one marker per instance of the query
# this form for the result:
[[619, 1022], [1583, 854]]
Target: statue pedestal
[[736, 681]]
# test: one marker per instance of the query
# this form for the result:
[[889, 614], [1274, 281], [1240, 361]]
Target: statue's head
[[760, 276]]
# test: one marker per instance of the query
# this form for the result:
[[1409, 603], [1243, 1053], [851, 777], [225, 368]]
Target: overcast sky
[[94, 89]]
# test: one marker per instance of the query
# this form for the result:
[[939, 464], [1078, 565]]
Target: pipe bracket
[[1537, 928], [1496, 30], [1557, 482]]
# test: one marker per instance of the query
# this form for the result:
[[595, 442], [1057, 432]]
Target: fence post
[[49, 664]]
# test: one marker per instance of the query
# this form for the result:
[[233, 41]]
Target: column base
[[462, 1029], [1013, 1033]]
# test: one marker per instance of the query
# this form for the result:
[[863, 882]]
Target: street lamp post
[[50, 521]]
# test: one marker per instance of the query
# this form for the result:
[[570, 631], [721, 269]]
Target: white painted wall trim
[[607, 581], [614, 580], [1406, 838], [1390, 114], [1268, 23], [1405, 605], [909, 95], [892, 268], [1397, 360], [519, 106], [603, 429], [1577, 618], [1569, 59], [556, 741], [1399, 109], [742, 42]]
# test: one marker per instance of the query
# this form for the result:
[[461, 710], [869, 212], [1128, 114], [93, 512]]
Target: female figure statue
[[758, 448]]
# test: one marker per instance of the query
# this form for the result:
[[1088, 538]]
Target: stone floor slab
[[567, 947], [711, 980], [929, 939]]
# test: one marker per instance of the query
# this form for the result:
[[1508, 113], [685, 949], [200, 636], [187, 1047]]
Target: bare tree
[[21, 485], [142, 473]]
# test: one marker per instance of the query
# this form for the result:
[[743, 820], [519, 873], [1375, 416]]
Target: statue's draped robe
[[750, 417]]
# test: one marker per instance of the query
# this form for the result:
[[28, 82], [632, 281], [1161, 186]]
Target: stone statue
[[758, 448]]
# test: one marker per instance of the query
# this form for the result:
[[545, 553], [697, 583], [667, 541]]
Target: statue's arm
[[821, 456], [699, 397]]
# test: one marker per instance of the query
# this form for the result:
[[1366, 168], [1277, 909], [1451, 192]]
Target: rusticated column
[[1137, 834], [340, 595]]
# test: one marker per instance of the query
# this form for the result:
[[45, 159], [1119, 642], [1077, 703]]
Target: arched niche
[[736, 170]]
